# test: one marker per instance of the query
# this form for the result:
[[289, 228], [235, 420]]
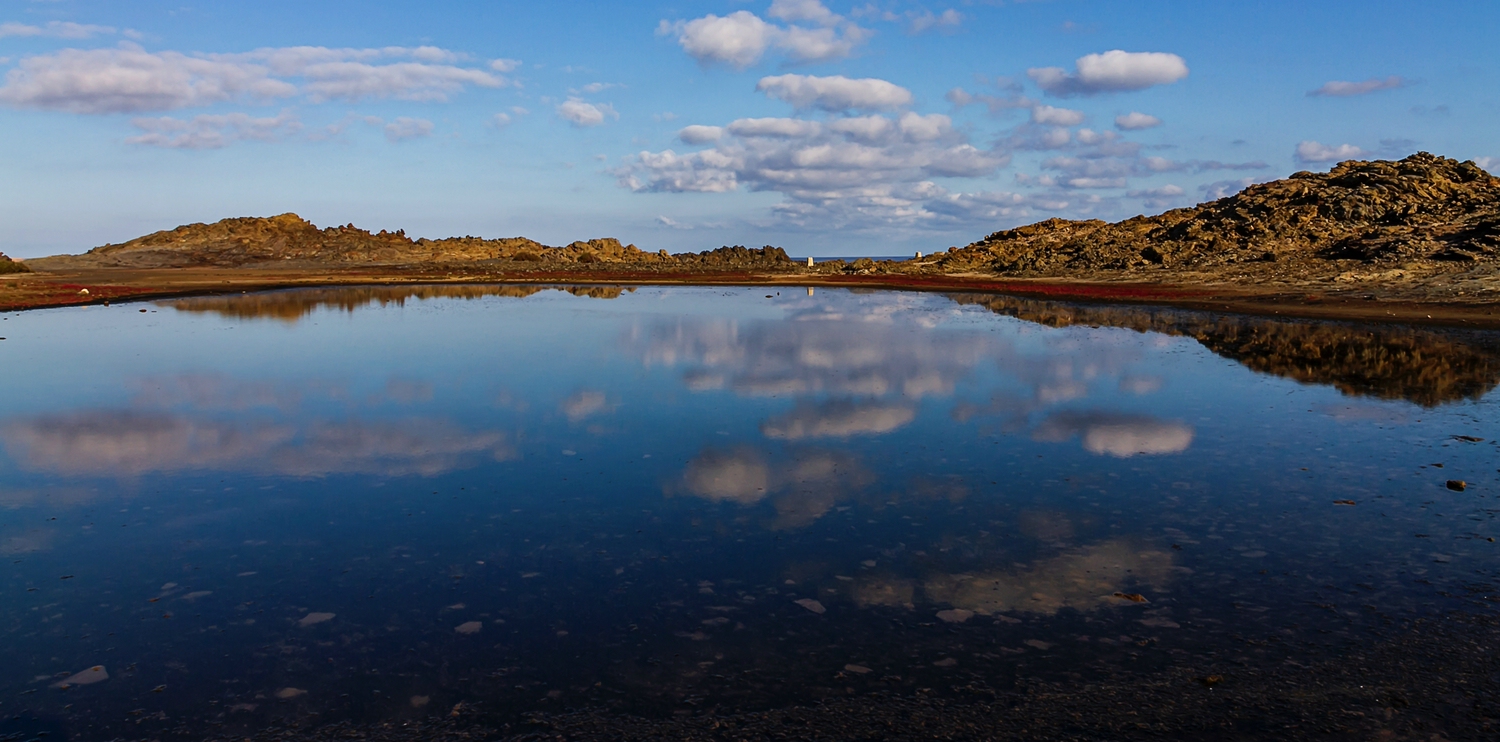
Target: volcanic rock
[[1421, 209]]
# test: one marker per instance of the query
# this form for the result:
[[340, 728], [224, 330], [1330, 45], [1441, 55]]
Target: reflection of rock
[[1082, 580], [886, 592], [1425, 366], [801, 490], [113, 443], [292, 305], [837, 419], [1116, 434]]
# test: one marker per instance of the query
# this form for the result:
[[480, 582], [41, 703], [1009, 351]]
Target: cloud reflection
[[837, 419], [1084, 579], [129, 442], [801, 489], [1114, 434]]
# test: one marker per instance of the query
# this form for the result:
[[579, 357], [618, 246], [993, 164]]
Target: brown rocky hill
[[289, 241], [1422, 209]]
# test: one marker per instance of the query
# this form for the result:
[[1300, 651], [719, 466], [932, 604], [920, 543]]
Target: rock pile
[[1420, 209]]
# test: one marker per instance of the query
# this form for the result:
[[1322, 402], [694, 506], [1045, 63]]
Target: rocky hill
[[289, 241], [10, 266], [1423, 209]]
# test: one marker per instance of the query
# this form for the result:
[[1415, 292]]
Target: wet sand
[[100, 286]]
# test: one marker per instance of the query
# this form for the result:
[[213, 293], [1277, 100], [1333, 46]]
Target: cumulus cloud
[[1051, 116], [1345, 89], [1115, 434], [870, 169], [696, 134], [404, 128], [1491, 164], [1157, 198], [1111, 71], [583, 114], [740, 39], [129, 79], [212, 131], [55, 30], [835, 94], [1135, 121], [1224, 188], [1310, 152]]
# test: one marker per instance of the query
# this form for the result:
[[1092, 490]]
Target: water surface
[[377, 503]]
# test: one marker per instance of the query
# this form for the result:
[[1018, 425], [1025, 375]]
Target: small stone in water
[[419, 701], [289, 693], [957, 615], [1457, 485], [857, 669], [947, 662], [471, 627], [812, 605], [95, 674]]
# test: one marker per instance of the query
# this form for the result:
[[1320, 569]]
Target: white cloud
[[1051, 116], [1491, 164], [583, 114], [128, 79], [1313, 152], [739, 39], [835, 94], [1112, 71], [696, 134], [1343, 89], [1135, 121], [926, 20], [212, 132], [55, 30], [1224, 188], [404, 128], [742, 38], [505, 65], [775, 127], [803, 10]]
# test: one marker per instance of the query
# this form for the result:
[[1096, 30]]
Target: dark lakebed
[[467, 512]]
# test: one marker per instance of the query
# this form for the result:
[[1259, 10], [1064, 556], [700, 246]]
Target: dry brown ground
[[1351, 302]]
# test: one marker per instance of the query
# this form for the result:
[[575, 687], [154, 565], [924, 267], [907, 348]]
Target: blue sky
[[830, 128]]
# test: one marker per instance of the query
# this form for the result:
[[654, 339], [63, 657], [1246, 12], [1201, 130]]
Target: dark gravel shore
[[1435, 679]]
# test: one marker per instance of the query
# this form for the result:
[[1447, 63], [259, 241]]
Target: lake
[[390, 504]]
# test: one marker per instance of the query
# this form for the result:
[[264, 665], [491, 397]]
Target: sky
[[827, 128]]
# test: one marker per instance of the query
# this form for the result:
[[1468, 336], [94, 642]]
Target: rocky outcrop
[[1422, 209], [289, 241], [11, 266]]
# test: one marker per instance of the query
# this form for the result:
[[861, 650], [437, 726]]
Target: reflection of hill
[[295, 304], [1428, 367]]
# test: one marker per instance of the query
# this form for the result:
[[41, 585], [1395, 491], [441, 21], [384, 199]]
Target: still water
[[378, 503]]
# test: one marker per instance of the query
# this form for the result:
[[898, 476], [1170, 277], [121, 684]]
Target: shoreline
[[55, 289]]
